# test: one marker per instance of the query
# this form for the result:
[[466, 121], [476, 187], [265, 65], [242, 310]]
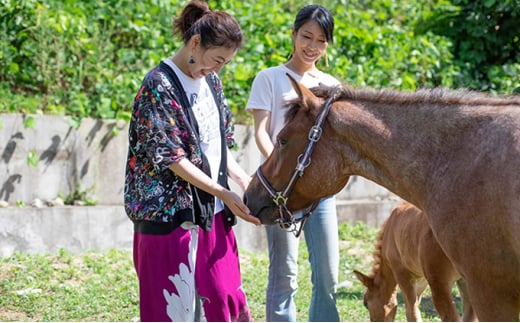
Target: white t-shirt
[[206, 112], [272, 88]]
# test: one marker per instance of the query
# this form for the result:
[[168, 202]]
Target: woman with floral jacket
[[176, 190]]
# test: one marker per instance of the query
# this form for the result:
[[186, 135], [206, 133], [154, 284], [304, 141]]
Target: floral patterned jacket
[[162, 131]]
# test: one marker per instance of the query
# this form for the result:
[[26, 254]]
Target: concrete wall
[[88, 159], [91, 159]]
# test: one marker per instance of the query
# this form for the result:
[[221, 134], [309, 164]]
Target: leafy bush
[[79, 58], [87, 58], [485, 36]]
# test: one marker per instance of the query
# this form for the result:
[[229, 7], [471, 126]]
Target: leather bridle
[[286, 220]]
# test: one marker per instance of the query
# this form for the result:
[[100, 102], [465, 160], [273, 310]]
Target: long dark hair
[[216, 28], [319, 14]]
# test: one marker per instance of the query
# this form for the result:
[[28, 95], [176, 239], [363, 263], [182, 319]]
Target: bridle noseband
[[286, 220]]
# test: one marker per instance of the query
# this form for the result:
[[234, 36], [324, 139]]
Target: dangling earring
[[191, 61], [326, 59]]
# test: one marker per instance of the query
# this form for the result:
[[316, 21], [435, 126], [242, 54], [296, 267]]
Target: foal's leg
[[411, 288], [441, 275], [469, 314]]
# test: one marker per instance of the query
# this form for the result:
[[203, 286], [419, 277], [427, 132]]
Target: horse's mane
[[377, 252], [437, 96]]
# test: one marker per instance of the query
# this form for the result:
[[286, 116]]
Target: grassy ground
[[102, 286]]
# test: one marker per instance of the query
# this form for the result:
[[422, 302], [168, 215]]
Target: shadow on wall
[[51, 158]]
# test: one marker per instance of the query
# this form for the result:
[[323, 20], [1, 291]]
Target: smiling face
[[209, 60], [310, 43]]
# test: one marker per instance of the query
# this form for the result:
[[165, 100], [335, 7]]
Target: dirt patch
[[12, 316]]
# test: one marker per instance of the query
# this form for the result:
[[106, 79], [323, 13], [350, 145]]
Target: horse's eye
[[281, 141]]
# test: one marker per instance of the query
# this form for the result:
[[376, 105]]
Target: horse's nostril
[[245, 199]]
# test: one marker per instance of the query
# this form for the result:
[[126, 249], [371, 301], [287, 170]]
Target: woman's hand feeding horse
[[454, 154]]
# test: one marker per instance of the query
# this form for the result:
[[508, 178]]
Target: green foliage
[[87, 58], [377, 46], [358, 232], [83, 59], [32, 159], [485, 36], [78, 197], [29, 123]]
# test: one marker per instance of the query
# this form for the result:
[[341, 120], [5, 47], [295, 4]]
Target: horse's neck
[[393, 147], [385, 281]]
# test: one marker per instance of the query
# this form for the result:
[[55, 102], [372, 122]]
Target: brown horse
[[453, 154], [407, 254]]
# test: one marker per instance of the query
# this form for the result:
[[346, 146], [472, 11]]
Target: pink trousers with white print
[[188, 267]]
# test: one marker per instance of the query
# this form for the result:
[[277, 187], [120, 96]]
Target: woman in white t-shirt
[[312, 31]]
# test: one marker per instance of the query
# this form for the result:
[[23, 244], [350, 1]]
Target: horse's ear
[[364, 279], [305, 95]]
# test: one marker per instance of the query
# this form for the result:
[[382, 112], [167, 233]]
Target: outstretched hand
[[237, 206]]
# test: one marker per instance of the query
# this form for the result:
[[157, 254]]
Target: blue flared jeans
[[321, 238]]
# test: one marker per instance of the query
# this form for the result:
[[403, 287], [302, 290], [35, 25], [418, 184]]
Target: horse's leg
[[494, 303], [469, 314], [493, 280]]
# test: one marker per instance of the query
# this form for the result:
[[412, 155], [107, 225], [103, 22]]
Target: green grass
[[63, 287], [102, 286]]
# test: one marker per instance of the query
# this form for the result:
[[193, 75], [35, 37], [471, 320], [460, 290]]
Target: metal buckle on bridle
[[279, 196], [291, 225], [286, 219], [315, 133]]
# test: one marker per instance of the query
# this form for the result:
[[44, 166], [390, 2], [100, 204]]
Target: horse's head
[[278, 170], [380, 302]]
